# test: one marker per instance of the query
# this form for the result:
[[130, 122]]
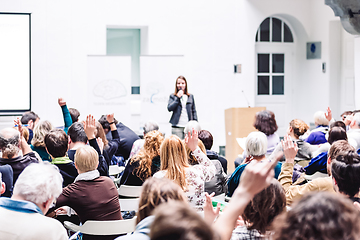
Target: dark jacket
[[174, 106], [7, 177], [214, 156]]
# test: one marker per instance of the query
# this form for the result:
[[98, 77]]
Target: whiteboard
[[15, 62], [158, 75]]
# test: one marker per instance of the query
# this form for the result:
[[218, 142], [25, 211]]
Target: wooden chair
[[104, 228]]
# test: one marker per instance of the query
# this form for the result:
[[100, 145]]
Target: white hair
[[256, 144], [38, 183], [356, 119], [320, 119], [150, 126], [192, 125], [9, 142]]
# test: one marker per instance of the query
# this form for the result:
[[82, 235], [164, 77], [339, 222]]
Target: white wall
[[211, 35]]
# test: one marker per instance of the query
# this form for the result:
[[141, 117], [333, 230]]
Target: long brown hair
[[156, 191], [174, 160], [146, 154], [101, 133], [192, 159], [186, 89]]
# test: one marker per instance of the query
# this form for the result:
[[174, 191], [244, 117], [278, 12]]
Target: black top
[[7, 178], [68, 172], [127, 138], [130, 178], [214, 156]]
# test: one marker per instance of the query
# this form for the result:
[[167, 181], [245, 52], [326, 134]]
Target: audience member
[[354, 131], [138, 144], [319, 216], [75, 114], [127, 136], [29, 120], [192, 124], [154, 193], [345, 114], [11, 141], [22, 215], [66, 114], [93, 197], [175, 166], [7, 179], [318, 164], [296, 129], [216, 185], [146, 163], [2, 185], [37, 143], [56, 143], [207, 138], [294, 192], [322, 120], [256, 148]]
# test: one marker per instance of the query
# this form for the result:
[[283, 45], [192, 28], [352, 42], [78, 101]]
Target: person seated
[[192, 124], [318, 164], [354, 131], [322, 120], [22, 215], [75, 114], [175, 166], [93, 197], [207, 139], [127, 136], [78, 137], [216, 185], [261, 212], [146, 163], [7, 179], [2, 185], [66, 114], [176, 221], [138, 144], [154, 193], [319, 215], [29, 120], [296, 129], [11, 141], [56, 144], [294, 192], [256, 148], [37, 143]]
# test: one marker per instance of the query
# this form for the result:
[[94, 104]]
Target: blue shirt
[[19, 205], [317, 164]]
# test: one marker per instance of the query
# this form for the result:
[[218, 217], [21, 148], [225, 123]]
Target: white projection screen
[[15, 75]]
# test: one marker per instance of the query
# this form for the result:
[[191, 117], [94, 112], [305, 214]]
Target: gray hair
[[150, 126], [38, 183], [9, 142], [356, 119], [320, 119], [192, 125], [256, 144]]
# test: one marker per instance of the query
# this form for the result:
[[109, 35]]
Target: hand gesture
[[290, 149], [90, 127], [17, 123], [328, 114], [209, 212], [61, 102], [348, 119], [110, 118], [180, 93], [191, 140], [100, 144]]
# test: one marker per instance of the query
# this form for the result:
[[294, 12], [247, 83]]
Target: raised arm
[[66, 114], [25, 148]]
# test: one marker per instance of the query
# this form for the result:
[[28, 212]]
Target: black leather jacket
[[174, 106]]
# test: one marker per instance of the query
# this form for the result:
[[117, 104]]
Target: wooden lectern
[[238, 124]]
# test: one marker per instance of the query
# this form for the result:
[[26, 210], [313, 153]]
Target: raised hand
[[61, 102], [328, 114], [191, 140], [209, 212], [110, 118], [90, 127], [17, 123], [290, 149], [180, 93]]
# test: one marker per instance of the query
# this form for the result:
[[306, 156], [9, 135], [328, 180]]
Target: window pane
[[263, 85], [265, 30], [278, 63], [256, 37], [276, 30], [263, 63], [278, 85], [287, 34]]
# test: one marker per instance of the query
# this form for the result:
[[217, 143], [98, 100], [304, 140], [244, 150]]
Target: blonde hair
[[86, 158], [156, 191], [101, 133], [40, 130], [192, 159], [320, 119], [174, 160], [146, 154], [299, 127]]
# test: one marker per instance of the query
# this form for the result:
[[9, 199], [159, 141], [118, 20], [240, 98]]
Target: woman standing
[[182, 104]]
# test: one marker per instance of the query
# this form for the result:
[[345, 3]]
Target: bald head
[[9, 142]]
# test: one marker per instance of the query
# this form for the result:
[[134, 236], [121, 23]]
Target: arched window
[[274, 28]]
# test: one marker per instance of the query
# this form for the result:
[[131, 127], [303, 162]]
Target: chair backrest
[[129, 191], [114, 170], [114, 227], [129, 204]]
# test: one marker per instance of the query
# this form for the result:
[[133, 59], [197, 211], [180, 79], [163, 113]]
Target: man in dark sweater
[[11, 141]]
